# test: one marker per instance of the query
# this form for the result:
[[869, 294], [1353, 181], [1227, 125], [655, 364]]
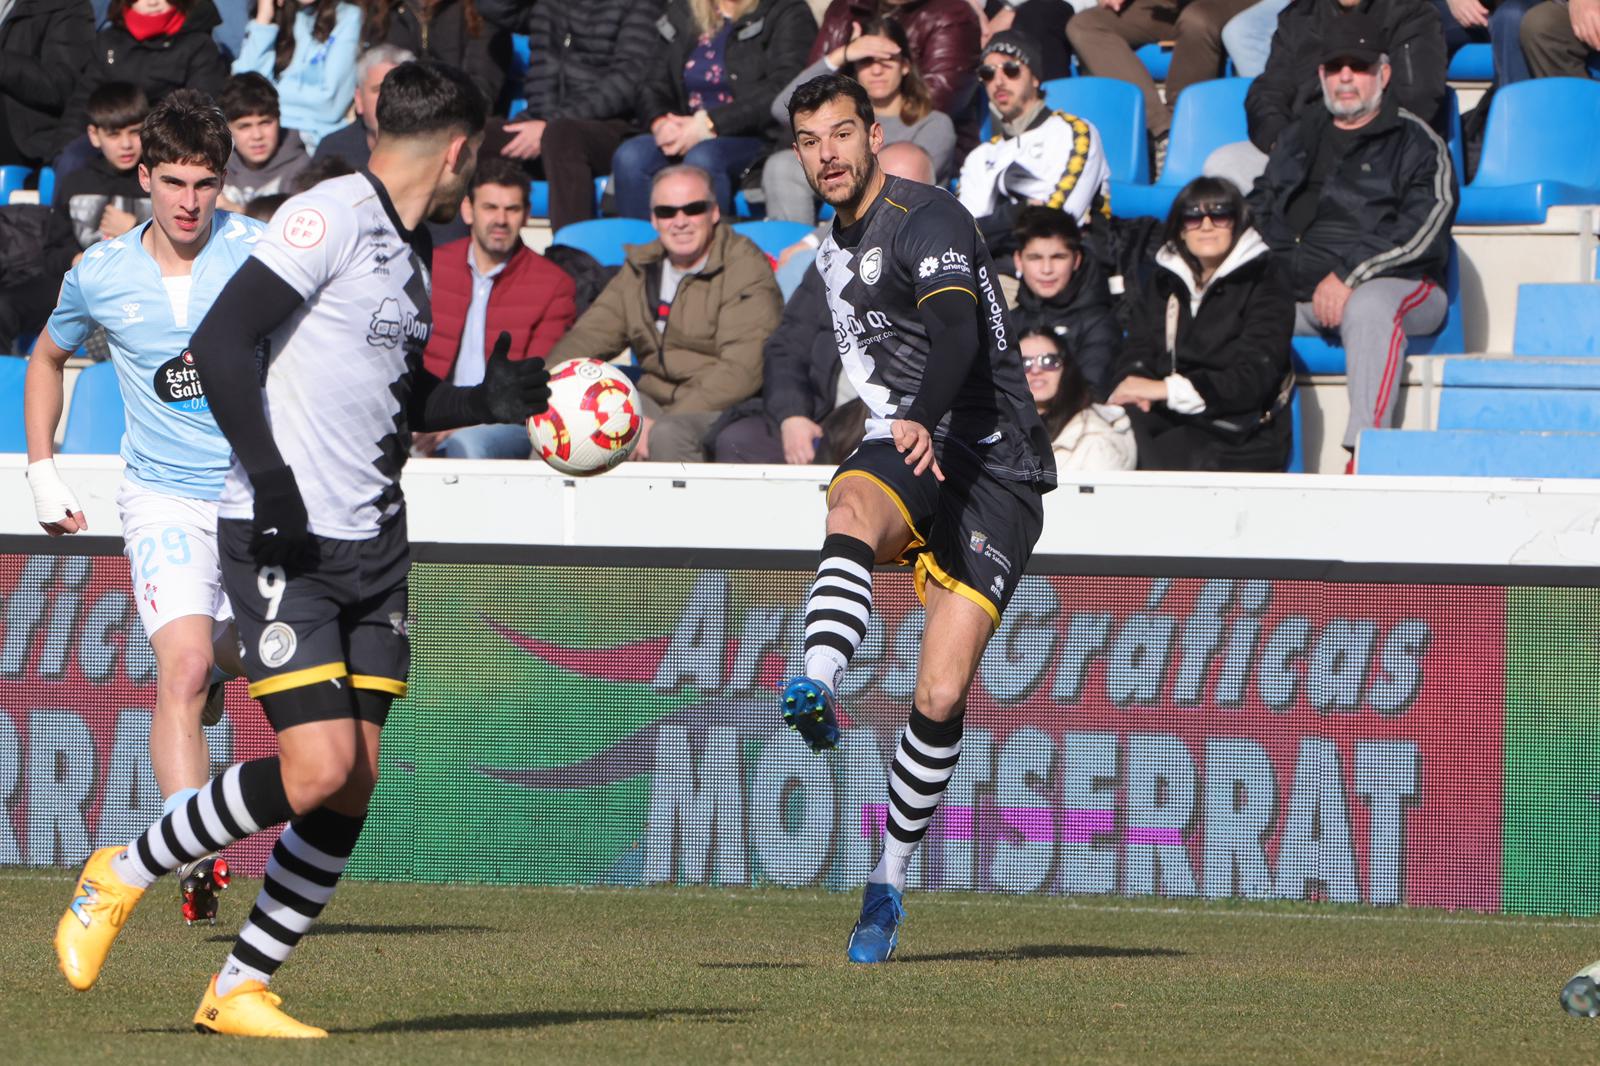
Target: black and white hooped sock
[[923, 764], [838, 608]]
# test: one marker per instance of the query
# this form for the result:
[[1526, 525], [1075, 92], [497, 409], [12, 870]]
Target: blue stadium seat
[[1157, 59], [1484, 372], [517, 107], [743, 208], [96, 420], [12, 179], [1317, 355], [771, 235], [1538, 152], [1116, 109], [538, 199], [13, 370], [1478, 453], [1455, 136], [604, 238], [1209, 115], [1562, 410], [1472, 62], [1558, 320], [1297, 444], [47, 185]]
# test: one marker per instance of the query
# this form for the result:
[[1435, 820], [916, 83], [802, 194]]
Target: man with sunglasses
[[1043, 157], [1356, 204], [695, 305], [949, 475]]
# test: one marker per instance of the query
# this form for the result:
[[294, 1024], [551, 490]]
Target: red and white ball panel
[[594, 418]]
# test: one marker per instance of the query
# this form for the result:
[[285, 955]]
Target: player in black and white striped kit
[[312, 534], [949, 475]]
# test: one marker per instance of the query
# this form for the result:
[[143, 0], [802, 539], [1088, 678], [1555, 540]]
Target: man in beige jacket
[[696, 305]]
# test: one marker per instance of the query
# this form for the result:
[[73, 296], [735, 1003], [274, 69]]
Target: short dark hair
[[498, 170], [248, 94], [824, 89], [423, 97], [262, 208], [186, 127], [1046, 223], [319, 171], [117, 104], [1204, 191]]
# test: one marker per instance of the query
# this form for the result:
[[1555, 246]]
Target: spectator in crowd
[[99, 201], [945, 36], [1247, 38], [44, 45], [1497, 23], [1064, 293], [448, 31], [1084, 435], [1205, 372], [1045, 21], [1106, 36], [353, 142], [1560, 39], [1356, 204], [484, 285], [1409, 34], [580, 91], [695, 306], [307, 49], [1041, 157], [900, 100], [708, 99], [266, 157], [158, 45]]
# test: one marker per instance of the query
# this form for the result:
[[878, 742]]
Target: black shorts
[[344, 619], [972, 533]]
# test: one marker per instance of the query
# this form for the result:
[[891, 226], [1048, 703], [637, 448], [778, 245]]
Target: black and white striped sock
[[923, 764], [838, 608], [244, 799], [299, 880]]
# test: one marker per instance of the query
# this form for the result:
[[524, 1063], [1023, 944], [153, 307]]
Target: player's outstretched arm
[[512, 391], [42, 397]]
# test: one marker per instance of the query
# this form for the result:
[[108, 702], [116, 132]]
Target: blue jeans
[[636, 162], [488, 442], [1504, 36], [1248, 36]]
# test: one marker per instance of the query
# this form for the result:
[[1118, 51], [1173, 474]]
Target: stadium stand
[[773, 236], [96, 417], [1117, 110], [1531, 160], [1208, 115], [13, 370], [1558, 320], [12, 180], [606, 238]]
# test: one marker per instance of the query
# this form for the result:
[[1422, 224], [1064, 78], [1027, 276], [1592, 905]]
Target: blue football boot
[[808, 706], [877, 931]]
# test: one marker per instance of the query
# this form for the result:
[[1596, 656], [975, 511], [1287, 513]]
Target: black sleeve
[[938, 246], [955, 335], [253, 304]]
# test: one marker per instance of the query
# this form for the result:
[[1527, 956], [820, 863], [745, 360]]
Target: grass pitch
[[404, 973]]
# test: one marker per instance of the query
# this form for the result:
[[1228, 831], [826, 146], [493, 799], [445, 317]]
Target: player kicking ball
[[149, 289], [948, 476], [313, 531]]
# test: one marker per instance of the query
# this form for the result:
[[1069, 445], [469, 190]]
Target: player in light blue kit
[[149, 289]]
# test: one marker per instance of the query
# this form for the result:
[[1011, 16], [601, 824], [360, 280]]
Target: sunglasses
[[1357, 66], [1221, 217], [693, 209], [1041, 362], [1010, 68]]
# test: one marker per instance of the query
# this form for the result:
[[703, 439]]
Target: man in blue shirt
[[149, 289]]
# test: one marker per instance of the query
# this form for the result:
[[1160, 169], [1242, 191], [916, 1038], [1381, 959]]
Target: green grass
[[464, 975]]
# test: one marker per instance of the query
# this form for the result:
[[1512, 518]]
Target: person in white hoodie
[[1084, 435], [1204, 373]]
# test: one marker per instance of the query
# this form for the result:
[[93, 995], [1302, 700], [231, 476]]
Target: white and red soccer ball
[[594, 418]]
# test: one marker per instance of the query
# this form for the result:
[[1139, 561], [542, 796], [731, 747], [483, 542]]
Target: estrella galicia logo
[[177, 384]]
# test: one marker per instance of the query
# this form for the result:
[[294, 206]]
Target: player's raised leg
[[953, 640], [865, 526]]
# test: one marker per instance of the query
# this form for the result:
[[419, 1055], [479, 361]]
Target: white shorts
[[171, 544]]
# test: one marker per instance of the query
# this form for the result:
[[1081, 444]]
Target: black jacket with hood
[[44, 46], [1083, 317], [186, 59]]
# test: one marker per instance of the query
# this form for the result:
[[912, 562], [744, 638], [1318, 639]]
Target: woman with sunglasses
[[1084, 435], [879, 57], [1205, 373]]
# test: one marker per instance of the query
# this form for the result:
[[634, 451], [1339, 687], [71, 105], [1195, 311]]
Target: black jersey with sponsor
[[915, 241]]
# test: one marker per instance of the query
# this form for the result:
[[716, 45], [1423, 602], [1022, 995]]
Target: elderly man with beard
[[1356, 203]]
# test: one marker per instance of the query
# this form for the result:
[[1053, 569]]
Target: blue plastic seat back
[[12, 179], [1478, 453], [13, 370], [97, 419], [604, 238], [1116, 109], [1564, 410], [1558, 319], [1542, 130], [772, 235], [1209, 115], [1473, 61]]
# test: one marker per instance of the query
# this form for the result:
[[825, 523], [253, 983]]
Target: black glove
[[514, 392], [280, 535]]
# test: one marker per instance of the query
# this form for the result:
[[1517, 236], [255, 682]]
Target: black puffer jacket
[[187, 59], [766, 49], [801, 359], [1234, 350], [1082, 316], [1289, 86], [1385, 212], [445, 38], [44, 46], [587, 58]]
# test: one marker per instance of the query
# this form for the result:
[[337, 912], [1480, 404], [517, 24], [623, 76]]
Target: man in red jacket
[[483, 284]]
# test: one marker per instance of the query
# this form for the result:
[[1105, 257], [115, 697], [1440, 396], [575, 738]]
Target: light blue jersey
[[172, 444]]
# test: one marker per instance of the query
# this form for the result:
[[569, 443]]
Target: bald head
[[906, 160]]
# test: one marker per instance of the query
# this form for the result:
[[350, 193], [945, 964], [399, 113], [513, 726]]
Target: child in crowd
[[266, 157], [104, 199]]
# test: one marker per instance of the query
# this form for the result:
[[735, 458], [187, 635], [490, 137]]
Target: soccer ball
[[594, 418]]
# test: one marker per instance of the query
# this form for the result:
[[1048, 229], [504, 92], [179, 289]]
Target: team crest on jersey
[[872, 266], [277, 644], [978, 541]]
